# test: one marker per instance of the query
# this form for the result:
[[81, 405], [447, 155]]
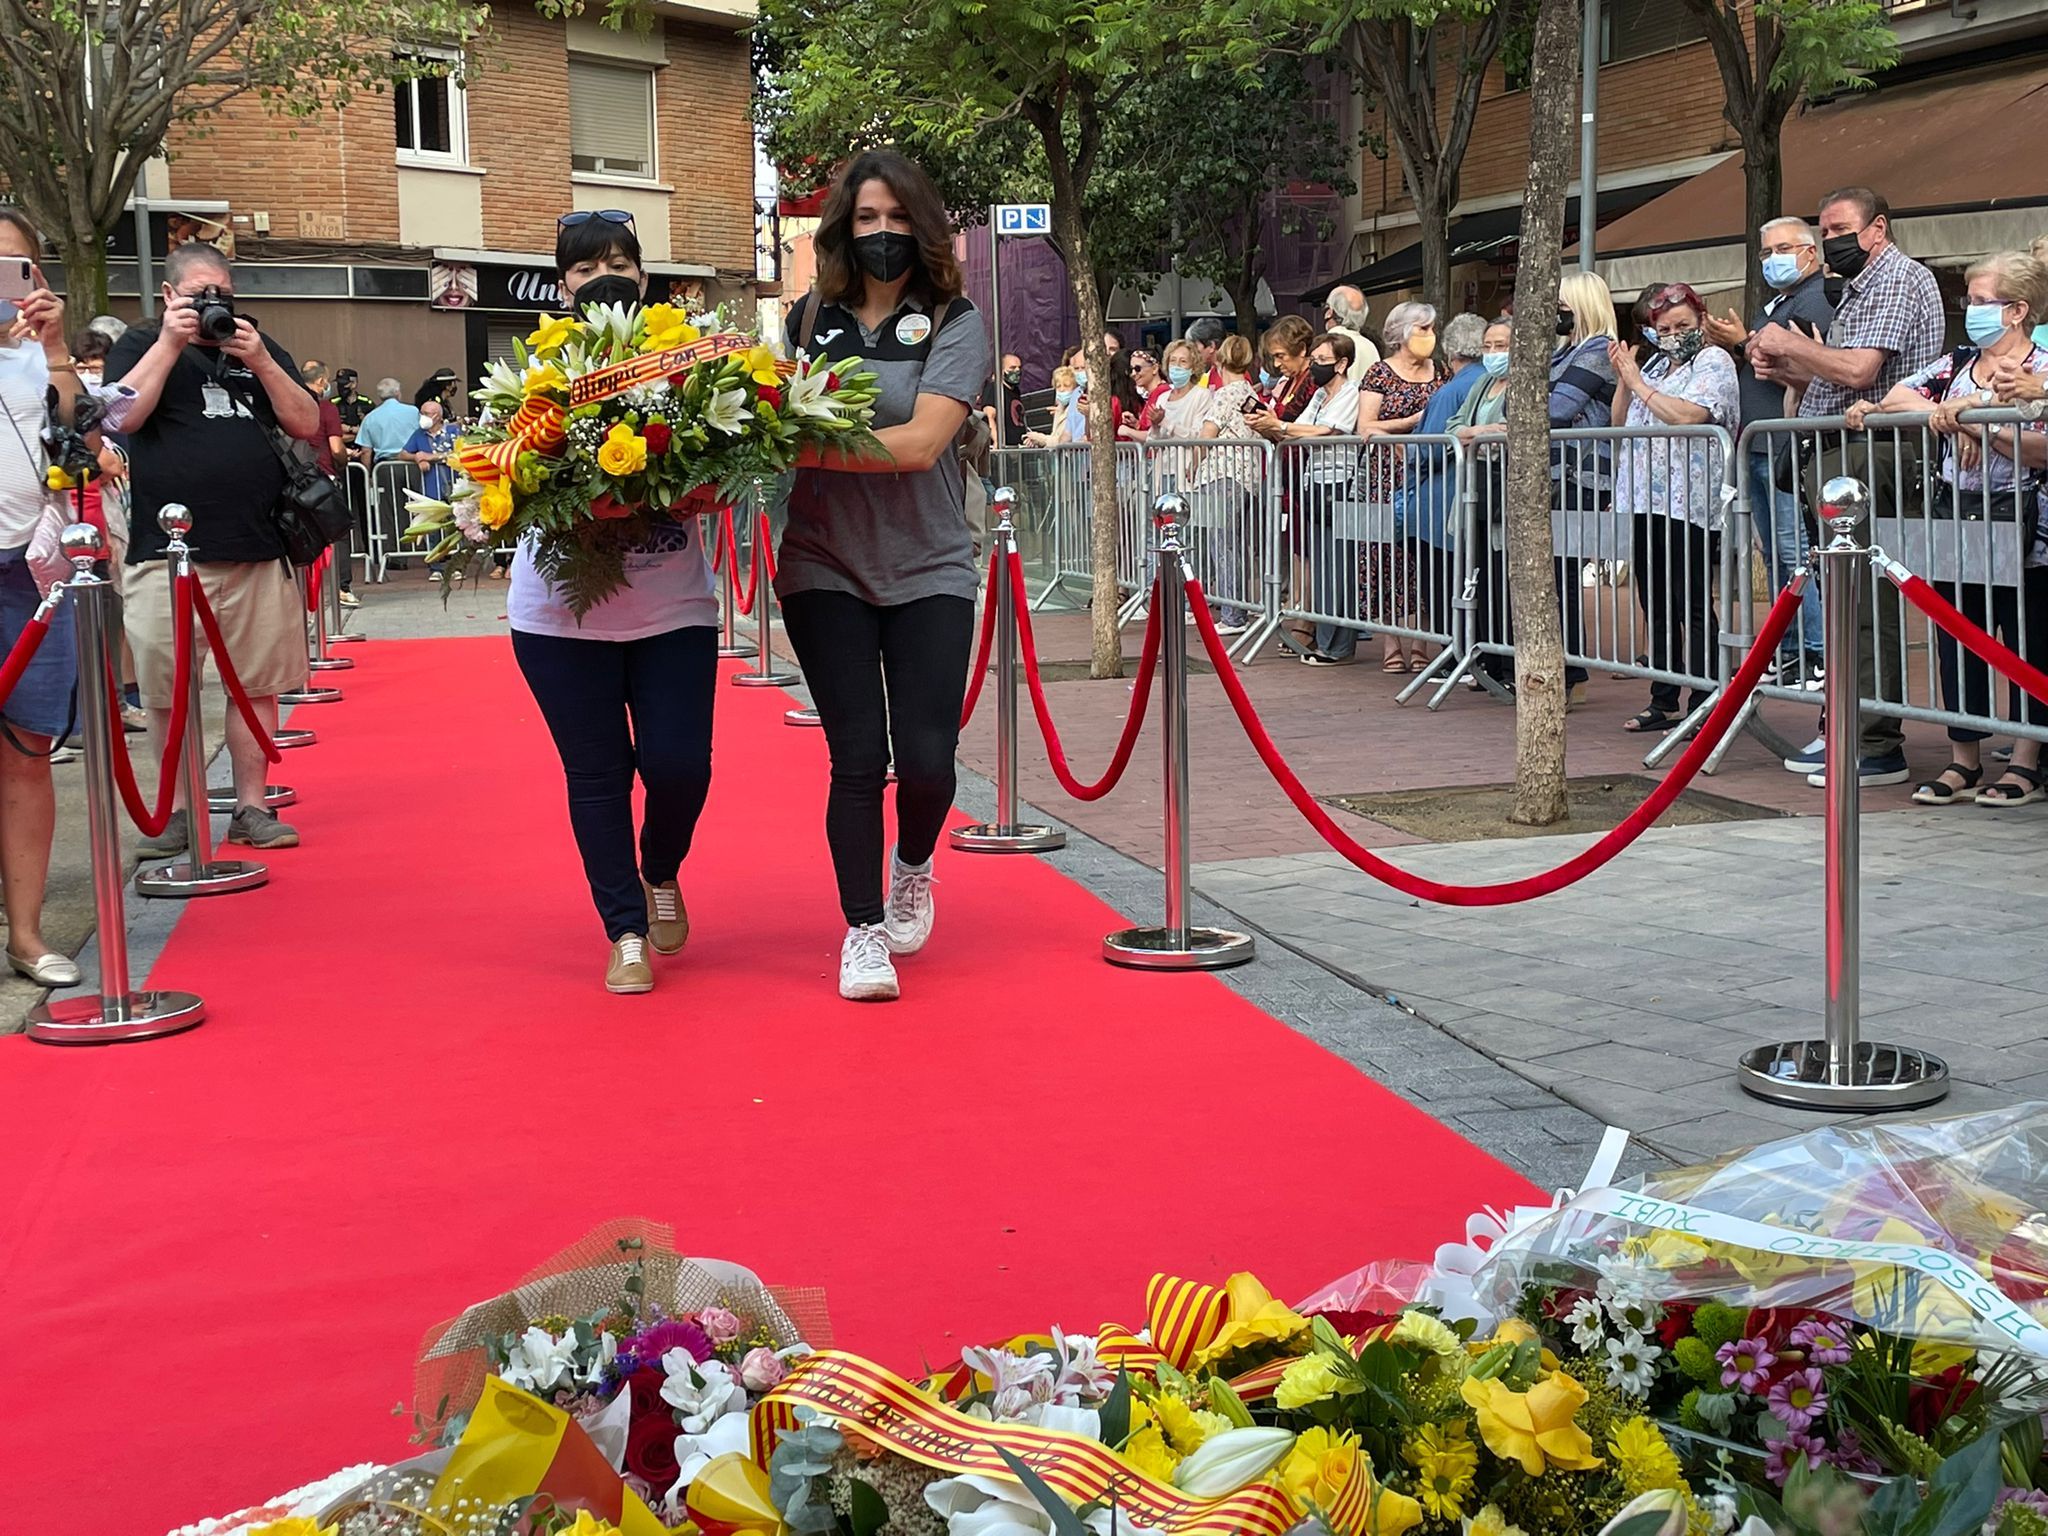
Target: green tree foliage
[[89, 91], [1770, 53]]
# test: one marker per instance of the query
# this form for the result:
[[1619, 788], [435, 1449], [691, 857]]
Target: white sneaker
[[866, 974], [907, 922]]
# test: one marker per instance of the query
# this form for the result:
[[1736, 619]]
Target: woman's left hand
[[1624, 360], [1943, 417]]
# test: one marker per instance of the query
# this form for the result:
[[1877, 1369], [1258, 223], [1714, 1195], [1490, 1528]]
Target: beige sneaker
[[629, 970], [668, 920]]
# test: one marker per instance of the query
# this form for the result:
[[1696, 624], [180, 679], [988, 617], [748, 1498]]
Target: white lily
[[984, 1506], [540, 1360], [696, 1452], [607, 1351], [727, 412], [502, 386], [700, 1394], [1225, 1463], [426, 512], [1668, 1502], [806, 397]]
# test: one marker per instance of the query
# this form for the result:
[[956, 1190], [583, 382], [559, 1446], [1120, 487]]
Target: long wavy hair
[[841, 279]]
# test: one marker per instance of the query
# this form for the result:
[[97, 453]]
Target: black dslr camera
[[216, 313]]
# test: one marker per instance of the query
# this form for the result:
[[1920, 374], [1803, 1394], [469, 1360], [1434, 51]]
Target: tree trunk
[[1763, 198], [1435, 214], [84, 254], [1106, 653], [1539, 798]]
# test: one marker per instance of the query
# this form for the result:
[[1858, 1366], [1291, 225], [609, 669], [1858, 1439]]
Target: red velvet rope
[[721, 536], [26, 644], [988, 637], [1972, 636], [232, 683], [1141, 690], [1505, 892], [314, 575], [147, 820]]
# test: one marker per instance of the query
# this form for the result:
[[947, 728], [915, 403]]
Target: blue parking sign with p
[[1023, 219]]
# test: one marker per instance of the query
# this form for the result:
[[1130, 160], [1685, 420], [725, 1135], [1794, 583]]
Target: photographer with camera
[[209, 391]]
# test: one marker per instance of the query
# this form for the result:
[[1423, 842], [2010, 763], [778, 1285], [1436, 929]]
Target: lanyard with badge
[[219, 402]]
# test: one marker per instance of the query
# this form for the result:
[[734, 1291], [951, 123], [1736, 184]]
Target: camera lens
[[216, 321]]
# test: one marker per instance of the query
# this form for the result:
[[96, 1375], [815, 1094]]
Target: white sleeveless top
[[668, 586]]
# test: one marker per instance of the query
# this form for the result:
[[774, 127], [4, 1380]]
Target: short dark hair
[[92, 347], [1206, 332], [1863, 200], [1342, 346], [840, 278], [593, 240], [195, 253], [22, 223]]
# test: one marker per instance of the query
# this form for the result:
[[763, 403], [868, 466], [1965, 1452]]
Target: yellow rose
[[623, 452], [1148, 1451], [1308, 1380], [494, 505], [1251, 1317], [1536, 1428], [659, 317], [553, 334], [1322, 1465]]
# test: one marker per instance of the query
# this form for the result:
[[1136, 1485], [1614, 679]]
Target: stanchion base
[[289, 736], [1185, 949], [330, 664], [737, 653], [765, 679], [311, 696], [216, 879], [1886, 1076], [1023, 837], [102, 1021], [275, 797], [804, 716], [343, 637]]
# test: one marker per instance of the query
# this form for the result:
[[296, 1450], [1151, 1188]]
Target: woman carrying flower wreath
[[627, 687], [877, 577]]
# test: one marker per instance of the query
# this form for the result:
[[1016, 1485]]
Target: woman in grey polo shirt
[[876, 571]]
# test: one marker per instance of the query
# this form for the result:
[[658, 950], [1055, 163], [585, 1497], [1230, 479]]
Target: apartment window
[[611, 119], [431, 116], [1630, 29]]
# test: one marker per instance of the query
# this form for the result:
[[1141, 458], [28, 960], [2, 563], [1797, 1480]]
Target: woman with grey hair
[[1391, 399]]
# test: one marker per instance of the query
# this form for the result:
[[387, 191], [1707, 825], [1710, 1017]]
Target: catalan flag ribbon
[[631, 374], [868, 1402], [539, 426], [1186, 1317]]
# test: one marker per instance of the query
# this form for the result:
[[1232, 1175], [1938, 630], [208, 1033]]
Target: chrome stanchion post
[[312, 693], [197, 874], [118, 1013], [337, 618], [1843, 1071], [320, 661], [730, 647], [1006, 834], [1177, 946], [764, 674]]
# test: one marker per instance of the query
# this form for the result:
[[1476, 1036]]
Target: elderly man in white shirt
[[1345, 310]]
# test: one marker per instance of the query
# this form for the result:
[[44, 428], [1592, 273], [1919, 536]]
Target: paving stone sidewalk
[[1633, 993]]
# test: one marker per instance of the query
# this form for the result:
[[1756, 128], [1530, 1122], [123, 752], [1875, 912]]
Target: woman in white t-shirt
[[33, 358], [627, 690]]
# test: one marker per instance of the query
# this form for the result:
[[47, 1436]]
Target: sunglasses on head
[[584, 215]]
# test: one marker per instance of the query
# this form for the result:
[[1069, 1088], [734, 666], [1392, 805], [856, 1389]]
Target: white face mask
[[427, 423]]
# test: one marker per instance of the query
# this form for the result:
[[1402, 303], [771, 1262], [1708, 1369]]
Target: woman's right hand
[[2012, 383]]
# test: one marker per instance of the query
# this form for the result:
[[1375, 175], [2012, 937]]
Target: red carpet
[[221, 1249]]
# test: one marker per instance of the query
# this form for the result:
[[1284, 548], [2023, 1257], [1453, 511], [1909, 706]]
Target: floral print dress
[[1389, 589]]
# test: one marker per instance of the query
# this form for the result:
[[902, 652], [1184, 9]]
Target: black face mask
[[1013, 377], [1565, 321], [609, 289], [1844, 254], [886, 255], [1834, 287], [1322, 373]]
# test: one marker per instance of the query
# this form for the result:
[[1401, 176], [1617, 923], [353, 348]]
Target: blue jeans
[[617, 708], [1781, 534], [1333, 579]]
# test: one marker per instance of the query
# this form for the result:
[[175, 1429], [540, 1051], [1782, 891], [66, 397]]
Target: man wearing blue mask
[[1792, 268]]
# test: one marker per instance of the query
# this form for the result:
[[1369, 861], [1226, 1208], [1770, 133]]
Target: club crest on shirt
[[913, 328], [824, 337]]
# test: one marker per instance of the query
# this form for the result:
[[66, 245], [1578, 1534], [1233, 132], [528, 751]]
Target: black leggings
[[616, 707], [882, 677], [1675, 565]]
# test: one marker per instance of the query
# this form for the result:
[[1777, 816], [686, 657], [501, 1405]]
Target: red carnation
[[605, 507], [658, 436], [831, 383], [678, 380], [651, 1432], [1675, 1324], [1929, 1403], [769, 395]]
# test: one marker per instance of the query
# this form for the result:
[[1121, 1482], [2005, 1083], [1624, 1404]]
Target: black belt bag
[[311, 512]]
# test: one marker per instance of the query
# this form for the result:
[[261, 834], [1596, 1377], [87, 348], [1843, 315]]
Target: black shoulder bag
[[311, 513]]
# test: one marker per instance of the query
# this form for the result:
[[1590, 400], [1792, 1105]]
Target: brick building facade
[[414, 230]]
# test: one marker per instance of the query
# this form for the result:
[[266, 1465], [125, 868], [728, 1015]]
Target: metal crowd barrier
[[1974, 531]]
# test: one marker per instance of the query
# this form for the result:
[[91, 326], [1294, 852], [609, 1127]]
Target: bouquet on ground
[[610, 423]]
